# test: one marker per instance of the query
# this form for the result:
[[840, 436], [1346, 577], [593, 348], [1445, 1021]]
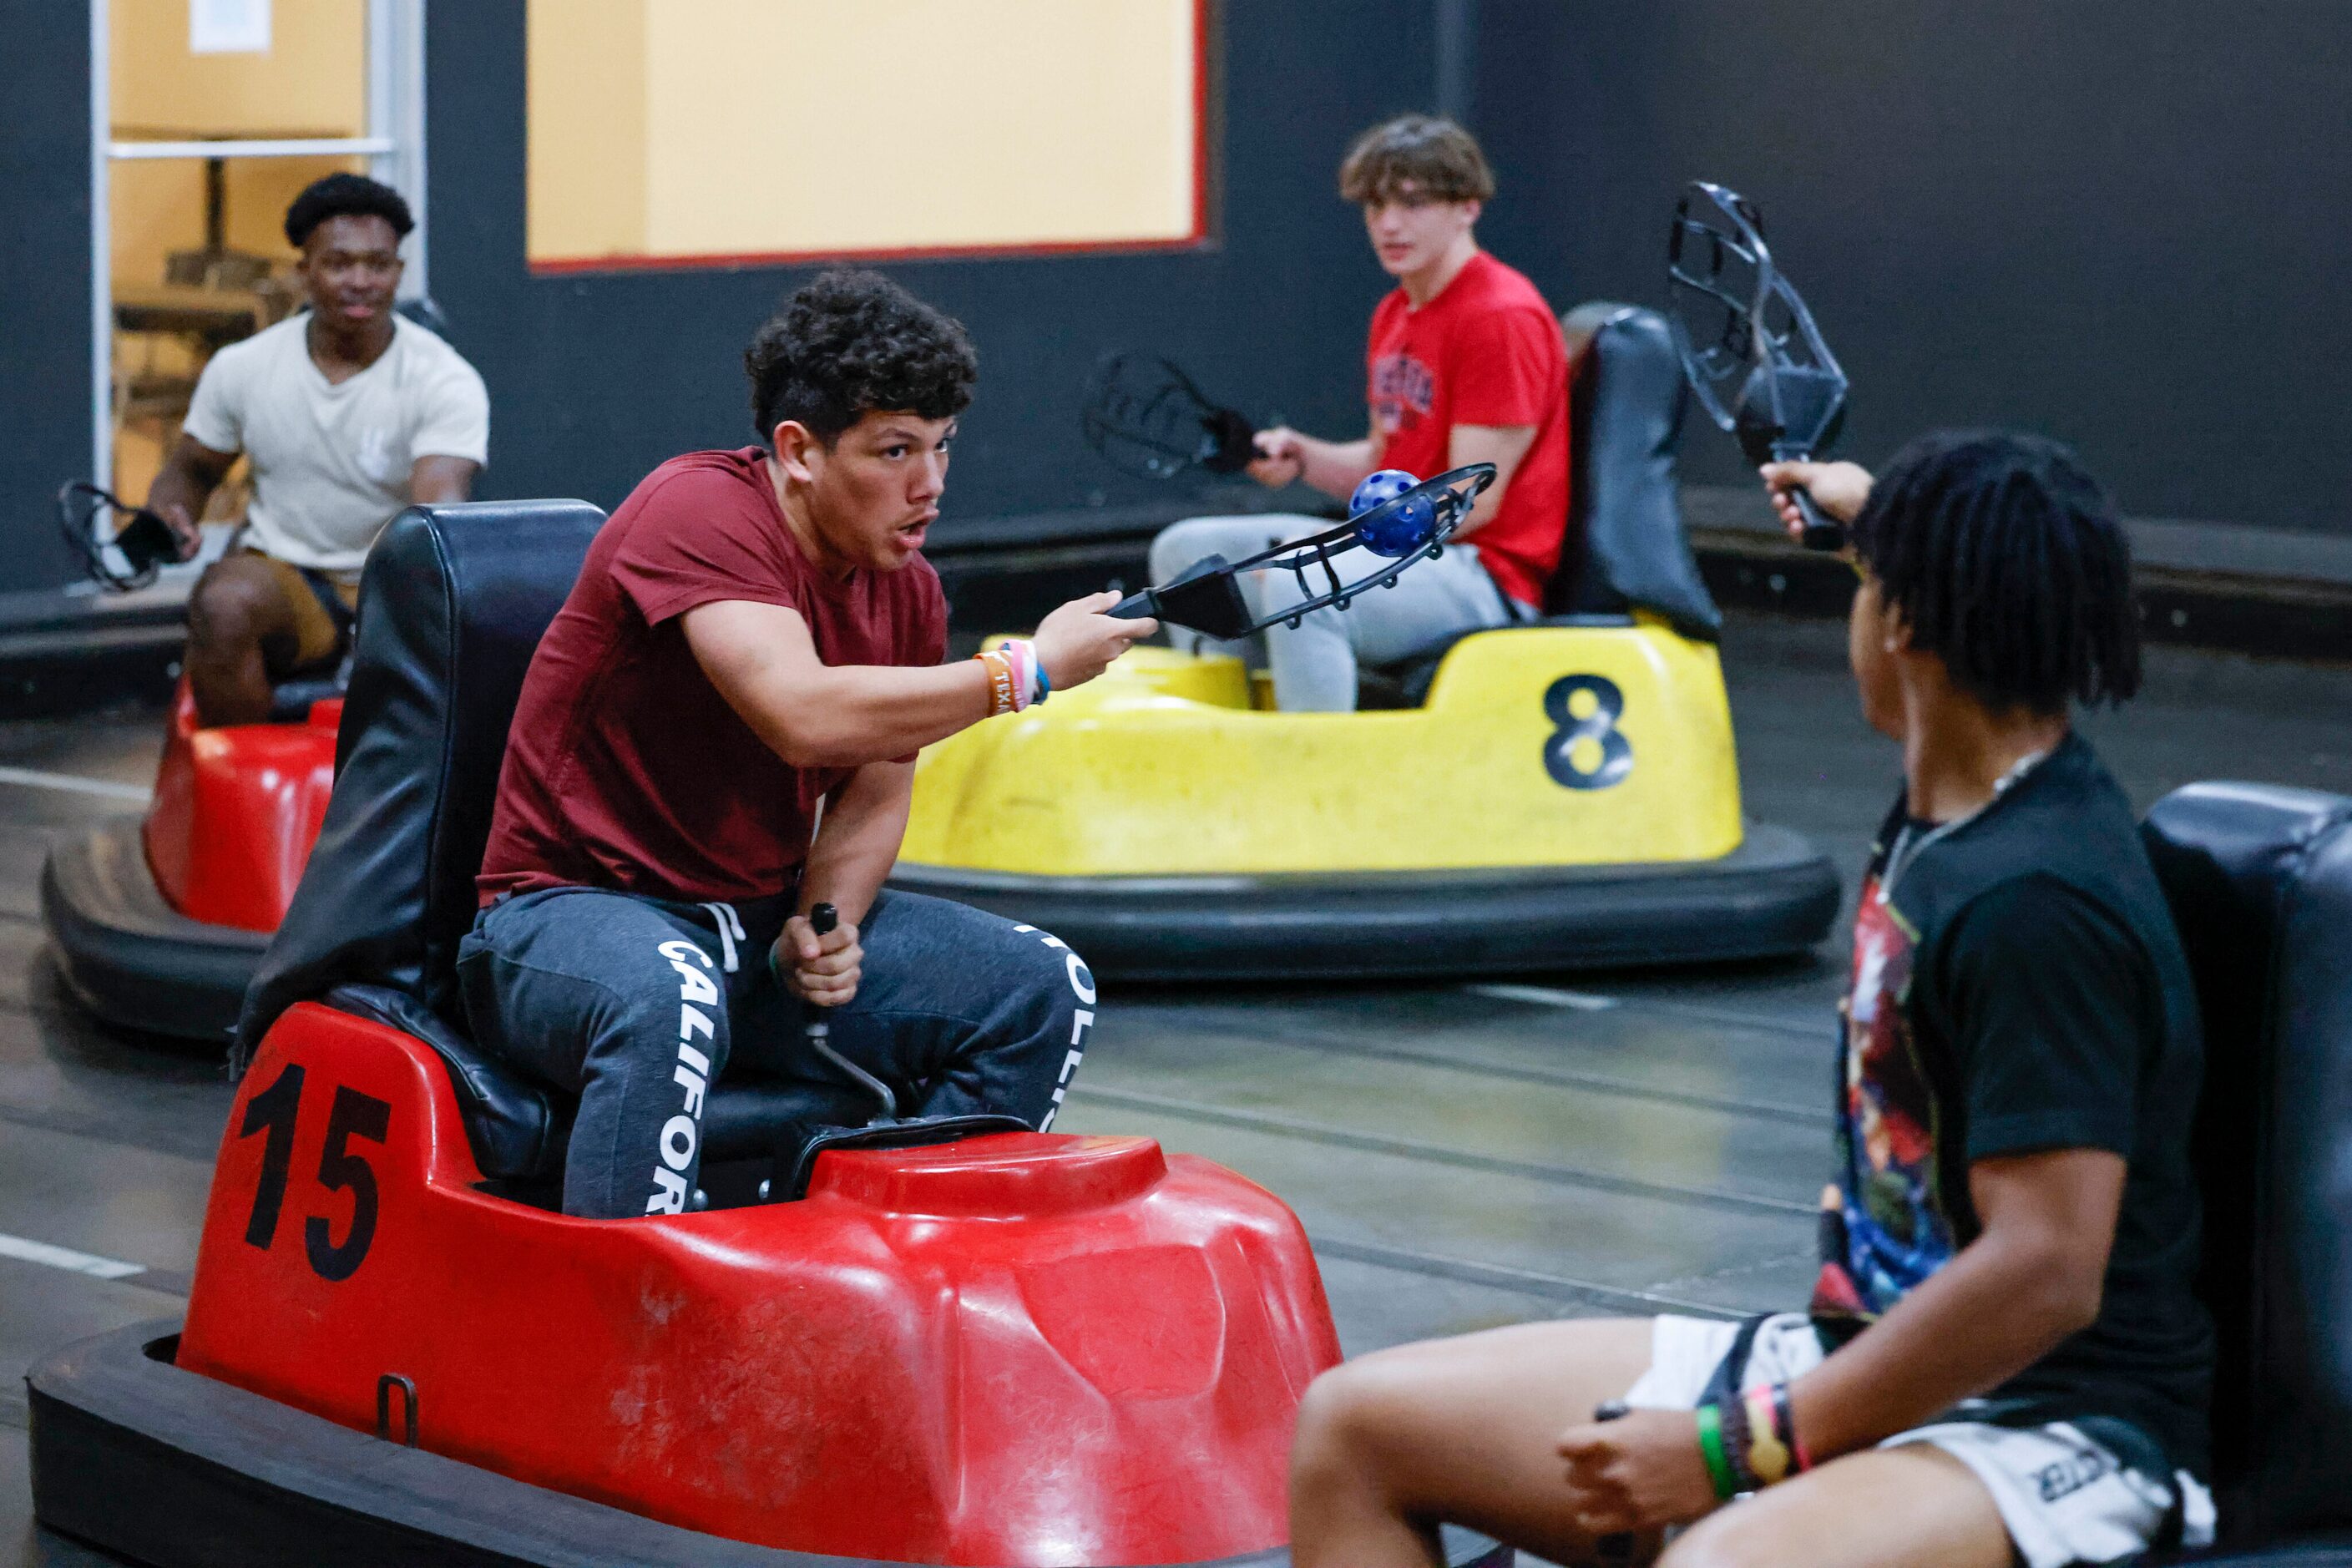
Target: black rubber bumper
[[132, 958], [135, 1457], [1775, 894]]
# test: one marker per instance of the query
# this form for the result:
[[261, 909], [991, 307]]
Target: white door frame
[[394, 146]]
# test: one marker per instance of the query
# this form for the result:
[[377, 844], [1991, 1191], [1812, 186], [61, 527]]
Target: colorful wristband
[[1000, 681], [1766, 1453], [1015, 678], [1710, 1449]]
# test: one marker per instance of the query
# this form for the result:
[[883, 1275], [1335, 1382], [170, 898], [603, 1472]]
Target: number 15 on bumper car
[[1562, 794]]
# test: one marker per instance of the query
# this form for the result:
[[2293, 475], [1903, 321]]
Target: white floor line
[[34, 778], [66, 1258], [1546, 996]]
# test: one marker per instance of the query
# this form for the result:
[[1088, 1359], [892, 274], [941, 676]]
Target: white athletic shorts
[[2064, 1498]]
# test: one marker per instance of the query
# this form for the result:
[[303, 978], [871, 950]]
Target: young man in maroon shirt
[[1466, 364], [717, 734]]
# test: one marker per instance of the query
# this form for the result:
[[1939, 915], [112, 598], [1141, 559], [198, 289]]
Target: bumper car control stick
[[822, 919]]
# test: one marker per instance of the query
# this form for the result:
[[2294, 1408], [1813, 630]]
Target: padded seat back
[[1626, 401], [452, 605], [2260, 880]]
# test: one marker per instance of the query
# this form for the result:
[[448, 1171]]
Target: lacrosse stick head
[[1748, 345], [1145, 416], [1412, 524], [120, 555]]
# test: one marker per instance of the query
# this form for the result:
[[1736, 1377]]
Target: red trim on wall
[[1197, 239], [1200, 120]]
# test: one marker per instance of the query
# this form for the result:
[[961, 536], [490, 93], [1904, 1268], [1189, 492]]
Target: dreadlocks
[[2006, 560]]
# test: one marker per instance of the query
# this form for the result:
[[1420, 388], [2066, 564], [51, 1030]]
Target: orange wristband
[[1000, 681]]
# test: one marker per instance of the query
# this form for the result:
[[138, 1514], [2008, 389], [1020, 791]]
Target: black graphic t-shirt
[[2017, 986]]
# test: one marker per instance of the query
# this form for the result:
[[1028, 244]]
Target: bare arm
[[1502, 445], [813, 715], [182, 491], [437, 481], [856, 844], [2032, 1278]]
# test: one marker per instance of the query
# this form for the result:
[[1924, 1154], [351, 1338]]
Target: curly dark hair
[[345, 195], [2009, 563], [848, 343]]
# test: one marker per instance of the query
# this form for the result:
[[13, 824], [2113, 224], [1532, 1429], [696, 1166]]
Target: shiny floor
[[1462, 1155]]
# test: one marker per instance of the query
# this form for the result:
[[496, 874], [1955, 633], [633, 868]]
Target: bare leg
[[1914, 1507], [1457, 1430], [235, 609]]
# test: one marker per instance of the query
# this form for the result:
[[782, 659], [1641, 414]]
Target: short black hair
[[346, 195], [2007, 561], [848, 343]]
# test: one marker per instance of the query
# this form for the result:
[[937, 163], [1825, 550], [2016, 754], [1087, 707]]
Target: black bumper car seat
[[2260, 880], [388, 894]]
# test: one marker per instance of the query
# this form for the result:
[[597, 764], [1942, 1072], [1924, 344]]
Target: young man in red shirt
[[1466, 364], [718, 733]]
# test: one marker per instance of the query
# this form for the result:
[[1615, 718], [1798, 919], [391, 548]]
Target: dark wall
[[596, 378], [2126, 226], [44, 278]]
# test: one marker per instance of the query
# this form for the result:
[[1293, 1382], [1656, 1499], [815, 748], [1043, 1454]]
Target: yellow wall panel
[[799, 127], [311, 81], [586, 78]]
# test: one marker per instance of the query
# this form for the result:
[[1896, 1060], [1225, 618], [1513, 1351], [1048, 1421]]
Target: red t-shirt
[[1486, 350], [625, 767]]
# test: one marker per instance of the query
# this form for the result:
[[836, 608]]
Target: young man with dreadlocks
[[717, 734], [348, 413], [2002, 1360]]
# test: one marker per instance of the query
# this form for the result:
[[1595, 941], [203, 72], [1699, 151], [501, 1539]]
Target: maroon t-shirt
[[625, 767]]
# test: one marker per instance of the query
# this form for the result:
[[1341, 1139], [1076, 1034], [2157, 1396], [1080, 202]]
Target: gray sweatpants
[[637, 1005], [1314, 664]]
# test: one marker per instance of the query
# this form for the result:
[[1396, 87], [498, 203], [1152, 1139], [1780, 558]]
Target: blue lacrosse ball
[[1402, 532]]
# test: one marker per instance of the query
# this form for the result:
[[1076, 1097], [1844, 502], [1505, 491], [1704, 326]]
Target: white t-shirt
[[331, 461]]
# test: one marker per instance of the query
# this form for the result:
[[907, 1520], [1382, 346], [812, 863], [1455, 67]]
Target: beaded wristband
[[1737, 1435], [1710, 1449], [1784, 1422]]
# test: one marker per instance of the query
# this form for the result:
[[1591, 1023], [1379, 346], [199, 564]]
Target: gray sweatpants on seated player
[[638, 1004], [1314, 664]]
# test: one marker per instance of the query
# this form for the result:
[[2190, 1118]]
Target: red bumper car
[[1013, 1349], [158, 921]]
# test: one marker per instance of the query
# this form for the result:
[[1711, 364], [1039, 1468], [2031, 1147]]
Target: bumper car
[[1011, 1349], [158, 921], [1564, 794]]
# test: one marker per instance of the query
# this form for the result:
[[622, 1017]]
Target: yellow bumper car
[[1560, 794]]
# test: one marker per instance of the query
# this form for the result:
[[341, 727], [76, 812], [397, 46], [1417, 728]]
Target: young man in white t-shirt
[[349, 413]]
